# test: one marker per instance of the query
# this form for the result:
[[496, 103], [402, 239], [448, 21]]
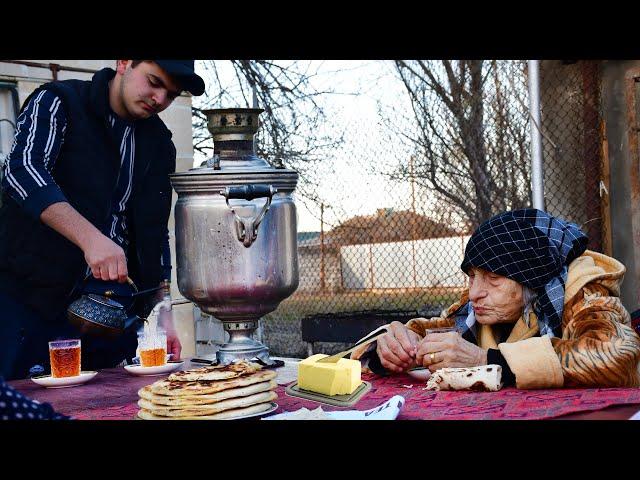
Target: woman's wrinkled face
[[495, 299]]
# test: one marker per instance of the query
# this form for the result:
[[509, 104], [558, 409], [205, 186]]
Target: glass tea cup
[[152, 348], [441, 330], [65, 358], [429, 331]]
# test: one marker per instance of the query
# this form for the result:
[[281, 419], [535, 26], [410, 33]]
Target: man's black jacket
[[40, 267]]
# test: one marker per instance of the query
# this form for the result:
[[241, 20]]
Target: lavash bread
[[216, 372], [210, 393], [483, 378], [204, 387], [208, 409], [226, 415], [178, 401]]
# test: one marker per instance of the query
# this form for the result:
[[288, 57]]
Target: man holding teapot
[[86, 199]]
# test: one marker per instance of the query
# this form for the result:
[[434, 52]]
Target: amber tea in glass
[[152, 348], [64, 356]]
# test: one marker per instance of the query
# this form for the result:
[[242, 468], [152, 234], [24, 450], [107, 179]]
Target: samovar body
[[236, 234]]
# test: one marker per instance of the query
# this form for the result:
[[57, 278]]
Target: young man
[[86, 192]]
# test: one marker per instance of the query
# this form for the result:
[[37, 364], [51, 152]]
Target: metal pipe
[[54, 67], [537, 172], [255, 105]]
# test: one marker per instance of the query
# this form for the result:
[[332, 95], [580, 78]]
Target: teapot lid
[[105, 301]]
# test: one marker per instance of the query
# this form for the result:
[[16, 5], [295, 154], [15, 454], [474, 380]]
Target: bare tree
[[470, 135], [294, 131]]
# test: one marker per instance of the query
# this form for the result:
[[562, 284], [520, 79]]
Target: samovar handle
[[247, 227]]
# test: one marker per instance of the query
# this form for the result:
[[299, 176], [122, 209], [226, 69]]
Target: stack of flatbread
[[218, 392]]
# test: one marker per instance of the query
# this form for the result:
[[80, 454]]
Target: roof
[[385, 226]]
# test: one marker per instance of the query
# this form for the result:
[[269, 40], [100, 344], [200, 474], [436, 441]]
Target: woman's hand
[[396, 349], [442, 350]]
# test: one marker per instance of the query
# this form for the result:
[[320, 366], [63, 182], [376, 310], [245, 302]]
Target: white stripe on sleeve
[[52, 131], [26, 155]]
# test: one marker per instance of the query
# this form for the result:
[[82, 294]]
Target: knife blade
[[365, 341]]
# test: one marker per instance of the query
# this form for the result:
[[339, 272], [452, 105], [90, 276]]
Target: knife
[[365, 341]]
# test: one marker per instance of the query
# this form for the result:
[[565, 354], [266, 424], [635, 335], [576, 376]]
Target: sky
[[348, 187]]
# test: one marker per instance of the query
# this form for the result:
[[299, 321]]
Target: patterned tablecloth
[[112, 394], [508, 403]]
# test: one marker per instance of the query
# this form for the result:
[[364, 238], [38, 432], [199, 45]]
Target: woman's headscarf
[[534, 249]]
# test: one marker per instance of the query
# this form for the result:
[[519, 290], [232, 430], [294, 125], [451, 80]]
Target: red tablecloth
[[508, 403], [112, 394]]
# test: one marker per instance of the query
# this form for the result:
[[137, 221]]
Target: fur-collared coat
[[598, 347]]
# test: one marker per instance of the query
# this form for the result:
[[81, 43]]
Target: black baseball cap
[[184, 72]]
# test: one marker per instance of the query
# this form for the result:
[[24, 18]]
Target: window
[[8, 117]]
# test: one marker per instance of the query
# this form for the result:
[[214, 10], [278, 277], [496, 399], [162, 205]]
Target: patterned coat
[[598, 347]]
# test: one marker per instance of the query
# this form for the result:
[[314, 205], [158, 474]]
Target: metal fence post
[[537, 173]]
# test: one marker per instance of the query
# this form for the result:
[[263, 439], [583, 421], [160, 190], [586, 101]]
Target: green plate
[[336, 400]]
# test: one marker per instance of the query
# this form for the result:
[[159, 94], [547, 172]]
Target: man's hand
[[396, 349], [173, 345], [106, 259], [165, 320], [442, 350]]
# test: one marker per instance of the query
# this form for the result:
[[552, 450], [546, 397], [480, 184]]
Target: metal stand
[[240, 345]]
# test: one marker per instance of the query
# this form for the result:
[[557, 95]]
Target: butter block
[[340, 378]]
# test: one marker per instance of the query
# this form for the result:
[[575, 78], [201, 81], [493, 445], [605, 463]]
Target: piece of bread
[[482, 378]]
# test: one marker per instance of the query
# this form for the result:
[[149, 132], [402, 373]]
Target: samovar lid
[[209, 179], [234, 162]]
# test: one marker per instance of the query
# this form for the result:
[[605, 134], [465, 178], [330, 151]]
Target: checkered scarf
[[534, 249]]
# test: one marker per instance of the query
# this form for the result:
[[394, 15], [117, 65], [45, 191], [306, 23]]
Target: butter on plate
[[340, 378]]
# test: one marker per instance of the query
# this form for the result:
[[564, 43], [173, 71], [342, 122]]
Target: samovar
[[236, 235]]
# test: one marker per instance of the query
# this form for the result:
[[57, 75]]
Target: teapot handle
[[110, 293]]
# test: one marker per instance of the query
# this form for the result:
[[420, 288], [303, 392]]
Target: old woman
[[539, 304]]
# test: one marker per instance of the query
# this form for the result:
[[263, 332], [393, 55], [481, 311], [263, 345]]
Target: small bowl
[[419, 373]]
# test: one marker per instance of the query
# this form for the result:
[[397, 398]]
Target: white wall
[[432, 262]]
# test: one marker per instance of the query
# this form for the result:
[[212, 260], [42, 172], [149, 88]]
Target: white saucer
[[419, 373], [49, 382], [149, 371]]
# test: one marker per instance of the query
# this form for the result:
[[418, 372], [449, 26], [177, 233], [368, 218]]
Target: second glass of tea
[[64, 356], [152, 348]]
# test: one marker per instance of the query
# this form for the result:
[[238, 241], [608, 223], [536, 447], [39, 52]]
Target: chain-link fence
[[398, 200], [573, 147]]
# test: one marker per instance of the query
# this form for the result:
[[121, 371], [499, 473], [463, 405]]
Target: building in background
[[18, 78]]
